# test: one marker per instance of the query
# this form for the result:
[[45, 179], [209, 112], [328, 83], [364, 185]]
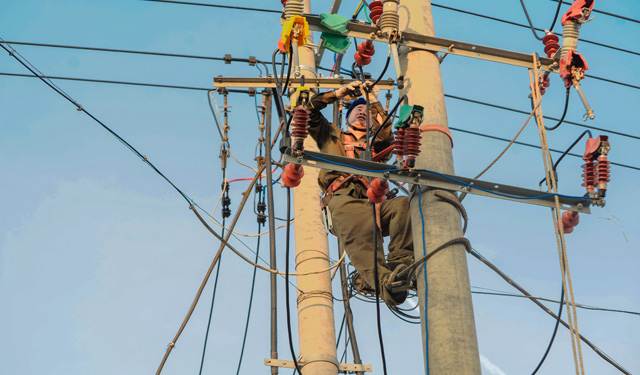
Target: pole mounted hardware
[[434, 44], [312, 83], [342, 367], [439, 181]]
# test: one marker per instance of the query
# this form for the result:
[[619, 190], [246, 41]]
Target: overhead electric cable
[[237, 91], [579, 305], [603, 12], [216, 6], [511, 282], [446, 95], [526, 26], [164, 54]]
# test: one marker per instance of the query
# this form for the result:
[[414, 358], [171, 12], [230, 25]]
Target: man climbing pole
[[345, 198]]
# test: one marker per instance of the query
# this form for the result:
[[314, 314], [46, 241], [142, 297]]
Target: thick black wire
[[286, 83], [286, 289], [555, 18], [533, 29], [377, 287], [131, 148], [565, 153], [564, 112], [213, 299], [386, 66], [553, 336], [253, 285], [386, 122]]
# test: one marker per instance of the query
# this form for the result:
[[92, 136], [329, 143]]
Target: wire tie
[[80, 109], [144, 158]]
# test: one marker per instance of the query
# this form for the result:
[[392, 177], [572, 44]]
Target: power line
[[605, 13], [546, 117], [449, 96], [227, 59], [533, 146], [527, 26], [216, 6], [586, 307]]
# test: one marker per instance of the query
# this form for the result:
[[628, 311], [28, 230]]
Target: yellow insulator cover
[[288, 30], [294, 98]]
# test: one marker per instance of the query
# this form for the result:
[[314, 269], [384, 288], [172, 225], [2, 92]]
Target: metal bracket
[[270, 82], [342, 367], [434, 44], [438, 180]]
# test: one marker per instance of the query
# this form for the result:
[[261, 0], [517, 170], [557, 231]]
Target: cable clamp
[[144, 158], [252, 60], [303, 361], [437, 128]]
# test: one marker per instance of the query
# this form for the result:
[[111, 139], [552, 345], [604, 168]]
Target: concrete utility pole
[[448, 328], [315, 303]]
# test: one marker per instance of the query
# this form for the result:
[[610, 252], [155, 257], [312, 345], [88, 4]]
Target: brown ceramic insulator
[[551, 44], [299, 128], [365, 51], [589, 175], [375, 11], [412, 141], [603, 172]]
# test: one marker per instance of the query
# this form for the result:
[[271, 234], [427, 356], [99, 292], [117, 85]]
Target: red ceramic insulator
[[292, 175], [412, 141], [375, 11], [365, 51], [398, 142], [551, 44], [378, 191], [603, 172], [546, 82], [569, 220], [299, 128], [589, 175], [284, 3]]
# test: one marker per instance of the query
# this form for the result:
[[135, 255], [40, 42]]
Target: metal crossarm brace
[[270, 82], [438, 181], [342, 367], [434, 44]]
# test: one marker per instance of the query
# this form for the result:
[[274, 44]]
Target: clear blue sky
[[100, 258]]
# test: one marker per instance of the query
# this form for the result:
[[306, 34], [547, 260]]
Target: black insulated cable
[[526, 13], [377, 288], [565, 153], [286, 290], [564, 112]]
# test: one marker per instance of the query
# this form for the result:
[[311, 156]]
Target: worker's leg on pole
[[352, 223], [395, 218]]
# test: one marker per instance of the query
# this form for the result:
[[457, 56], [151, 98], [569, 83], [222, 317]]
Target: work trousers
[[353, 223]]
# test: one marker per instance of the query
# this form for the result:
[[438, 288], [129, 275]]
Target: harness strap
[[437, 128]]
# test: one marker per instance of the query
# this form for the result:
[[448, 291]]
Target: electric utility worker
[[345, 195]]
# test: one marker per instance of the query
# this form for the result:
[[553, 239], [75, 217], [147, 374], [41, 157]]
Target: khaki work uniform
[[351, 211]]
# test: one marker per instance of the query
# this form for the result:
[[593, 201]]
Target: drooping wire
[[386, 65], [286, 289], [555, 18], [26, 64], [565, 153], [564, 112], [553, 336], [533, 29], [377, 288], [253, 285], [213, 299]]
